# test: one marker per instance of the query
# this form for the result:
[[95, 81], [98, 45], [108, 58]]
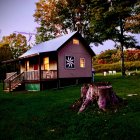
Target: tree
[[57, 17], [5, 52], [107, 56], [96, 20], [108, 20], [16, 43], [11, 47], [133, 22]]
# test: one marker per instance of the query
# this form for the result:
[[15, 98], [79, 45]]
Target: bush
[[133, 65]]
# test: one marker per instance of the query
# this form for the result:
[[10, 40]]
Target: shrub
[[133, 65]]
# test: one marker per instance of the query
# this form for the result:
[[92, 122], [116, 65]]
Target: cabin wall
[[77, 51]]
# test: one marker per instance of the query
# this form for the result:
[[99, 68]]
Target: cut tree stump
[[103, 95]]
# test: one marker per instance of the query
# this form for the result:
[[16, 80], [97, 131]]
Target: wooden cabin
[[59, 62]]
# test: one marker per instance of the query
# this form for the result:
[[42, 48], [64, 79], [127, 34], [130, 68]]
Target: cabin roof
[[49, 46]]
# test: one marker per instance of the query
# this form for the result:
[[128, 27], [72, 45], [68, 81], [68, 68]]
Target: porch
[[14, 80], [36, 76]]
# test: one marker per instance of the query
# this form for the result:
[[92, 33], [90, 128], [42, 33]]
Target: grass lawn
[[46, 115]]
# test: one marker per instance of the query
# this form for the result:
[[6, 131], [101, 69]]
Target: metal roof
[[48, 46]]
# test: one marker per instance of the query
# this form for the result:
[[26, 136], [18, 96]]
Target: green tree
[[5, 54], [57, 17], [108, 20], [96, 20], [133, 22], [16, 43], [11, 47], [107, 55]]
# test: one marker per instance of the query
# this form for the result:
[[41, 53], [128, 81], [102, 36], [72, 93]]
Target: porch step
[[12, 89], [6, 90]]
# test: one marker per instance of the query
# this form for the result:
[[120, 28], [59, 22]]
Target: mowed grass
[[46, 115]]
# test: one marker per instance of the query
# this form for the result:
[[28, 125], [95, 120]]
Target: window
[[27, 66], [76, 41], [46, 63], [69, 62], [82, 62]]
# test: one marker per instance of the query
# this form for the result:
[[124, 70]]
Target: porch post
[[39, 61], [15, 66], [6, 67], [58, 80], [26, 65]]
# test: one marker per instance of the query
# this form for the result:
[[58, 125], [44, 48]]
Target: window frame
[[82, 63], [46, 65], [75, 41]]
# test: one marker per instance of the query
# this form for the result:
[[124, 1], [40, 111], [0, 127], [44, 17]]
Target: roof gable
[[48, 46]]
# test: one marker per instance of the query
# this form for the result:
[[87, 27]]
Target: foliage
[[133, 55], [17, 44], [11, 47], [5, 52], [133, 65], [44, 15], [57, 17], [96, 20], [106, 56], [46, 114], [113, 56], [109, 17], [109, 20], [132, 23]]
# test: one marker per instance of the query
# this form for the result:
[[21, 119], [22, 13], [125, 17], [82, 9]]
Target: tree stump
[[101, 93], [104, 94]]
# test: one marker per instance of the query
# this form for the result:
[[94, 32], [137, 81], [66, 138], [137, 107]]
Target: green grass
[[46, 115]]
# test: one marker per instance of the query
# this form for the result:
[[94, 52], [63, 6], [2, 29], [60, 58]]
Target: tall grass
[[46, 114]]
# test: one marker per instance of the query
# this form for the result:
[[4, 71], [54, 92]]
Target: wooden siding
[[78, 51]]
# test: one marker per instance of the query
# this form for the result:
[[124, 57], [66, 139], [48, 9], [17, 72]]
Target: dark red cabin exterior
[[62, 61]]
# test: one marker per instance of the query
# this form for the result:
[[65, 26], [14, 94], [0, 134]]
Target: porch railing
[[9, 77], [31, 75], [11, 83], [16, 81], [45, 74], [48, 74]]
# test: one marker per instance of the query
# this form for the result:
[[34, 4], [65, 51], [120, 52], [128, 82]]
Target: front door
[[35, 66]]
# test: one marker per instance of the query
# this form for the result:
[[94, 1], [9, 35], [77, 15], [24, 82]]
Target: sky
[[109, 44], [17, 15]]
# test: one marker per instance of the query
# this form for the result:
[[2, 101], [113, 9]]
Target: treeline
[[110, 60], [129, 66]]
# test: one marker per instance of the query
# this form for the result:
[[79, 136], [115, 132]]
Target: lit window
[[82, 62], [75, 41], [27, 65], [46, 63]]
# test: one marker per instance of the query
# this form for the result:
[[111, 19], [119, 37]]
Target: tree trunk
[[122, 47]]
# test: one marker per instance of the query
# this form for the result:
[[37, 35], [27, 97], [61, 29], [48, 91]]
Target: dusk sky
[[17, 15]]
